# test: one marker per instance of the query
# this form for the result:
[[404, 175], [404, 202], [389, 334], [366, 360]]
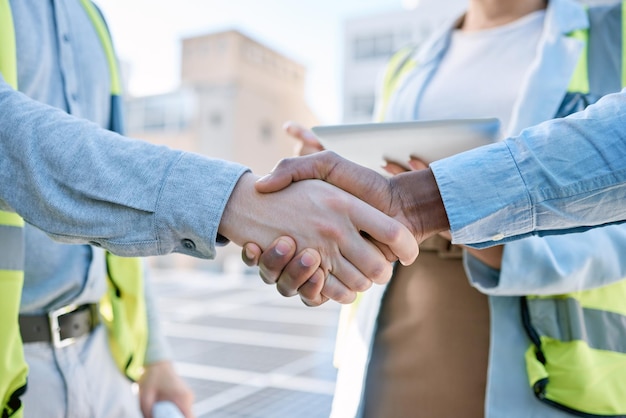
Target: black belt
[[60, 327]]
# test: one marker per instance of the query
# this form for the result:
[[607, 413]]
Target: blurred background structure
[[220, 78], [244, 350], [242, 77]]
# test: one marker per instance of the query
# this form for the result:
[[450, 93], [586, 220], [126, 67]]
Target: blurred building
[[369, 42], [235, 95]]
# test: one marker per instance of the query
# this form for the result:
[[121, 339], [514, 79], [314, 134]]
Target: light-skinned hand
[[160, 382], [307, 143], [321, 217], [412, 197], [296, 274], [289, 274]]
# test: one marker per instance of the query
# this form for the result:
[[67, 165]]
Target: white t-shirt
[[481, 73]]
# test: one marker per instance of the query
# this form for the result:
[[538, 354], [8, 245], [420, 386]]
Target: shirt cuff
[[484, 195], [192, 202]]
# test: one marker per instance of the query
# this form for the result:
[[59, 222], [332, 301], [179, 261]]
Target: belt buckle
[[55, 328]]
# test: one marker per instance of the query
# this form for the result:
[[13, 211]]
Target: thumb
[[146, 402], [290, 170]]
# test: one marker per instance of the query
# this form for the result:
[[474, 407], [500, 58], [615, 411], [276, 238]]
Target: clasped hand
[[399, 197]]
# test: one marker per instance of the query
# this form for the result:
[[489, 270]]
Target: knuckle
[[282, 164], [247, 261], [342, 295], [331, 231], [363, 285], [328, 156], [268, 279], [309, 291], [310, 303], [381, 273], [348, 298], [394, 232], [272, 262], [284, 290]]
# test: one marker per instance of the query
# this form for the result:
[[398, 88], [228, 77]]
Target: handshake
[[339, 225]]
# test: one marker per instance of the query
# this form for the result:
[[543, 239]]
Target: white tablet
[[369, 144]]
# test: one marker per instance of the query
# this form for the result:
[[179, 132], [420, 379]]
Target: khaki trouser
[[431, 346]]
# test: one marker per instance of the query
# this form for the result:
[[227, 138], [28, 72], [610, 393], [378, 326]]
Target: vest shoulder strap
[[600, 69], [399, 65]]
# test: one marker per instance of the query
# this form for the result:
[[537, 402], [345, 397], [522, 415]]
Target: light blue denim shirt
[[561, 175], [82, 184]]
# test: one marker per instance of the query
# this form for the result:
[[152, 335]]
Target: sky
[[147, 36]]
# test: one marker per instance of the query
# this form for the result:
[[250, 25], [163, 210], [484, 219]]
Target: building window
[[253, 53], [266, 132], [171, 112], [363, 106], [215, 119], [373, 46], [154, 117]]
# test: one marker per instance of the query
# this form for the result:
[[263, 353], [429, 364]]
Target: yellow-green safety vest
[[577, 358], [122, 309]]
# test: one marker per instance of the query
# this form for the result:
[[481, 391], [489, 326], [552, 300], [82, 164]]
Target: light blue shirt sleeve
[[554, 264], [562, 175], [83, 184]]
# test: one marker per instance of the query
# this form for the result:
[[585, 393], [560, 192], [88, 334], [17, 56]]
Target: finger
[[334, 289], [250, 254], [185, 404], [303, 149], [146, 403], [311, 291], [391, 257], [417, 163], [307, 141], [299, 270], [353, 278], [385, 230], [275, 258], [357, 262], [316, 166], [393, 168], [360, 264], [306, 136]]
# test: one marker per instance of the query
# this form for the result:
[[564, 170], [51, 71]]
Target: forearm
[[80, 183]]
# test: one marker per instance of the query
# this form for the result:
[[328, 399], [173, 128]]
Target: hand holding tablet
[[370, 144]]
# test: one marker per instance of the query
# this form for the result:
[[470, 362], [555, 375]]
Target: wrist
[[235, 218], [421, 202]]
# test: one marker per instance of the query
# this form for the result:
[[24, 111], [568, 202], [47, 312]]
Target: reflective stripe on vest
[[116, 122], [13, 367], [577, 362], [400, 64], [123, 311], [124, 297]]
